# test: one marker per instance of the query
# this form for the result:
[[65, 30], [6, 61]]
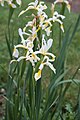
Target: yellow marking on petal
[[34, 36], [53, 58], [46, 24], [33, 55], [38, 29], [14, 50], [39, 72]]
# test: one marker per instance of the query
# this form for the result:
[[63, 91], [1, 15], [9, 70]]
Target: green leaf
[[74, 30], [11, 11], [38, 97], [8, 45]]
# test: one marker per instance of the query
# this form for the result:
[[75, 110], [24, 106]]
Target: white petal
[[41, 66], [34, 3], [23, 11], [51, 66], [15, 53], [61, 16], [21, 46], [69, 7], [52, 55], [13, 61], [13, 5], [38, 75], [62, 28], [20, 31], [49, 43], [59, 21], [21, 58], [18, 2]]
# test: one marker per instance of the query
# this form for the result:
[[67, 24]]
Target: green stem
[[32, 93], [60, 38], [38, 98]]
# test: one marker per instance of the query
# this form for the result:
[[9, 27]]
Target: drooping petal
[[21, 34], [18, 2], [48, 31], [49, 43], [52, 59], [12, 5], [21, 58], [21, 46], [38, 75], [23, 11], [68, 7], [51, 66], [62, 28], [13, 61]]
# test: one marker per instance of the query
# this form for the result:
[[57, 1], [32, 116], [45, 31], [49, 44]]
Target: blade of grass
[[9, 47], [11, 11]]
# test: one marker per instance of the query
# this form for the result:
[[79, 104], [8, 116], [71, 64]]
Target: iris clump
[[38, 53]]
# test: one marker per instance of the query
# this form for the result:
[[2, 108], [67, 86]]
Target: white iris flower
[[48, 57], [10, 3], [65, 1]]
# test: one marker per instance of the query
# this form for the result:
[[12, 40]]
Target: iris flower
[[39, 6], [29, 56], [48, 57], [10, 3], [65, 1], [57, 18]]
